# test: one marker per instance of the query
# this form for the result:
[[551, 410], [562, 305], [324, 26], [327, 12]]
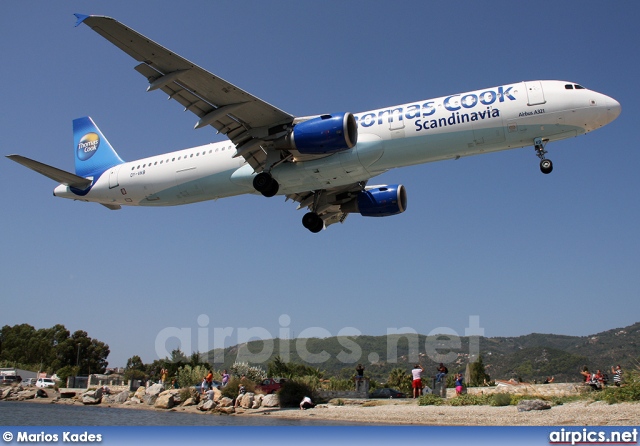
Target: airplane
[[322, 162]]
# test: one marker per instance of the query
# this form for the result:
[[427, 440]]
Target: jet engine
[[323, 134], [378, 201]]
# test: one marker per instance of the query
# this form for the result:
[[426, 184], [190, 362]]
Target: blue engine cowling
[[325, 134], [381, 201]]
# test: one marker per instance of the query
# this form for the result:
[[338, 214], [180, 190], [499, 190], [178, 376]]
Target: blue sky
[[487, 235]]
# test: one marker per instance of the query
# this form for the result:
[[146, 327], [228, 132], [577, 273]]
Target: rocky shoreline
[[374, 412]]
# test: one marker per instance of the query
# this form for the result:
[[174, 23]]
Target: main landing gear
[[312, 222], [266, 184], [546, 166]]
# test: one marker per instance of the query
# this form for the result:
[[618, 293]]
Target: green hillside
[[530, 358]]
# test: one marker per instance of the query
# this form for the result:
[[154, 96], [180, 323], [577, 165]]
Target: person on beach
[[306, 403], [241, 391], [225, 378], [442, 372], [163, 376], [617, 375], [459, 380], [203, 385], [209, 379], [416, 373]]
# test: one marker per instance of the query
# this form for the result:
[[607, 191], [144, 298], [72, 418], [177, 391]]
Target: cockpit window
[[579, 87], [568, 87]]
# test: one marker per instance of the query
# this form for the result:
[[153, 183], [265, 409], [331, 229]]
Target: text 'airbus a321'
[[323, 162]]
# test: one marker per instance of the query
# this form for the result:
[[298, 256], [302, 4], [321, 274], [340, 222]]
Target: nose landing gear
[[546, 166]]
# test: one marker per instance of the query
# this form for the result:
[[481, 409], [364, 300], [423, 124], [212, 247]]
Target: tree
[[135, 368], [52, 348], [477, 375], [399, 379]]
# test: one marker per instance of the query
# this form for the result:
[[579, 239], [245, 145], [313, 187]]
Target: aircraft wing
[[327, 202], [249, 122]]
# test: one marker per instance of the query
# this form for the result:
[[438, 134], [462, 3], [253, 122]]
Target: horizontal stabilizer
[[61, 176]]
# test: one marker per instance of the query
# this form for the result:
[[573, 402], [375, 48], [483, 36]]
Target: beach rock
[[92, 397], [270, 401], [26, 395], [140, 393], [154, 390], [5, 393], [226, 410], [122, 397], [527, 405], [189, 402], [164, 401], [135, 400], [207, 405], [247, 400], [217, 394], [88, 400], [225, 402], [149, 400]]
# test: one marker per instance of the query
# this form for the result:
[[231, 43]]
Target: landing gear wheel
[[272, 189], [312, 222], [266, 184], [546, 166]]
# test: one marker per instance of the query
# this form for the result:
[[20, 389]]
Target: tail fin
[[94, 154]]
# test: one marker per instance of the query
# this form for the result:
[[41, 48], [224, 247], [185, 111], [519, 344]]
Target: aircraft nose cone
[[613, 109]]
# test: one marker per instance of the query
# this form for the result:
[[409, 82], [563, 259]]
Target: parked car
[[29, 382], [10, 379], [270, 385], [386, 393], [45, 382]]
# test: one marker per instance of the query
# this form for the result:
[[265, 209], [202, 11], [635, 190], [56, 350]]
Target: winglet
[[81, 18]]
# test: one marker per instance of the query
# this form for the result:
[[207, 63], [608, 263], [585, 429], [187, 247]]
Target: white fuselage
[[488, 120]]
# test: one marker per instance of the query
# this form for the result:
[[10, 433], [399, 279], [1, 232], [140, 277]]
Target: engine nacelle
[[379, 201], [324, 134]]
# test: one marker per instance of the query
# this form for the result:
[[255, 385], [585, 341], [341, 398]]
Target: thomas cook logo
[[87, 146]]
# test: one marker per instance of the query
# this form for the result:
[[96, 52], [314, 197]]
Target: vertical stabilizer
[[93, 153]]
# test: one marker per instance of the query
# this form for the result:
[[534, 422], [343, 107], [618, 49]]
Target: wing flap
[[61, 176], [327, 203]]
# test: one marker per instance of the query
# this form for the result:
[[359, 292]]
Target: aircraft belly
[[339, 169], [209, 187]]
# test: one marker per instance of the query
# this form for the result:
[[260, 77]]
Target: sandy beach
[[409, 413]]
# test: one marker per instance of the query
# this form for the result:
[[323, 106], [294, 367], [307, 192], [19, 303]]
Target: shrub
[[628, 393], [253, 373], [339, 384], [292, 392], [430, 400], [500, 399], [188, 376], [233, 387], [469, 400]]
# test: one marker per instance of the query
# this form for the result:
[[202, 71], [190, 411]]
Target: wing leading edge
[[249, 122]]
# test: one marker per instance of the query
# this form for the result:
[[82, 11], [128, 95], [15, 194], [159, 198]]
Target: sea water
[[38, 414]]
